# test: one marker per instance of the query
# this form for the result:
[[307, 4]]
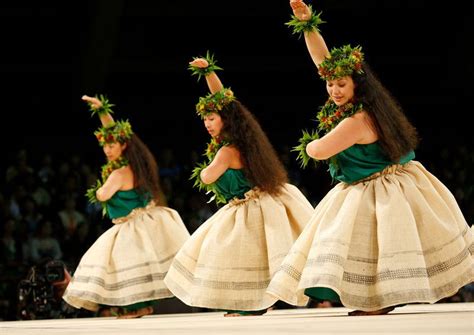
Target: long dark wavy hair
[[397, 136], [261, 164], [144, 167]]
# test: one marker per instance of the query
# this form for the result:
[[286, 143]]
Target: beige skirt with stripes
[[229, 260], [395, 238], [128, 262]]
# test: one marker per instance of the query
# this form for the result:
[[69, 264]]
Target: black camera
[[54, 272], [39, 295]]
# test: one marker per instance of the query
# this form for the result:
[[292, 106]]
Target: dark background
[[136, 52]]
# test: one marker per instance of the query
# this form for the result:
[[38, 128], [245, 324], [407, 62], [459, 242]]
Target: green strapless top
[[233, 184], [123, 202], [362, 160]]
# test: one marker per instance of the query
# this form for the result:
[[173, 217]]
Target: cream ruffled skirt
[[128, 262], [229, 260], [397, 237]]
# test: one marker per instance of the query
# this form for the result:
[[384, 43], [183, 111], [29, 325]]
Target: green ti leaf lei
[[302, 26], [329, 116], [203, 72], [303, 156], [212, 148], [106, 170]]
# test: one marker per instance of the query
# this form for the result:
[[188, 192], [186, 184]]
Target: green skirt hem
[[322, 294]]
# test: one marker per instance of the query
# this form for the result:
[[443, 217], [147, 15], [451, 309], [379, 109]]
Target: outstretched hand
[[94, 103], [300, 10], [200, 63]]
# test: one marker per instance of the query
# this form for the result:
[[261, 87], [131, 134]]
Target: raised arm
[[97, 106], [308, 21], [205, 66]]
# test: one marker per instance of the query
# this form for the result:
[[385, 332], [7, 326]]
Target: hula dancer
[[122, 272], [229, 260], [389, 233]]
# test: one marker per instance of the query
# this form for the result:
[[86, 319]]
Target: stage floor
[[452, 319]]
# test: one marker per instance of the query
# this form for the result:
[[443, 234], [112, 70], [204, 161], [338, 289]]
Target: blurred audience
[[45, 214]]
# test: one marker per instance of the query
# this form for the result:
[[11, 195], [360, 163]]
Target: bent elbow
[[100, 195], [316, 151], [205, 178]]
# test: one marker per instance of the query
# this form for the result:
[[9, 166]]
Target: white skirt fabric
[[229, 260], [128, 262], [397, 237]]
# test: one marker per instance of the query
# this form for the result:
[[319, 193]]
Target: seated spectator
[[70, 217], [44, 245], [30, 215], [10, 246]]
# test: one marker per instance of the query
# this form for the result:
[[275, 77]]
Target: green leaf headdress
[[214, 103], [119, 131], [211, 103], [343, 61]]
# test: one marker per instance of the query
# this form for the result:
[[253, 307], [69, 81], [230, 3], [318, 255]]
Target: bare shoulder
[[355, 121], [229, 150], [126, 177], [230, 154], [367, 124], [120, 173], [361, 116], [124, 170]]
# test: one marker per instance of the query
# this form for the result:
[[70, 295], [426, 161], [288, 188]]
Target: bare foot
[[244, 313], [107, 312], [324, 304], [377, 312], [136, 314]]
